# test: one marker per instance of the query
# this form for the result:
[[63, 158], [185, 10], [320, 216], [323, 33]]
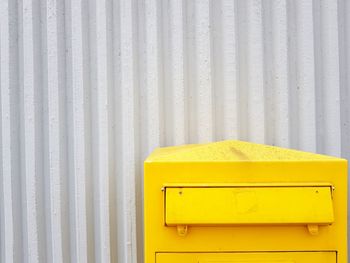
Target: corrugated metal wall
[[90, 88]]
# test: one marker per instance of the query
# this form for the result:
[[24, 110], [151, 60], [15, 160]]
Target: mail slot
[[250, 204], [237, 202], [284, 257]]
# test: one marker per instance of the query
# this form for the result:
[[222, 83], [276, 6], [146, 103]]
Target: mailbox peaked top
[[232, 151]]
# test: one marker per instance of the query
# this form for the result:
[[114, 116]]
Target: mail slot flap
[[248, 205]]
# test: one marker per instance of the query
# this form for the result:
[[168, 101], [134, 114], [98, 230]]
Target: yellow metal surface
[[248, 205], [285, 257], [240, 164], [231, 151]]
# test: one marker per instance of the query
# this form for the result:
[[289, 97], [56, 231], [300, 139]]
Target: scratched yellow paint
[[273, 204]]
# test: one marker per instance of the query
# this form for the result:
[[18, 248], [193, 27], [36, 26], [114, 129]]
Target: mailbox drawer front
[[272, 257], [248, 205]]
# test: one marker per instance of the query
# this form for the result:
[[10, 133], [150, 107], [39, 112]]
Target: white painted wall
[[90, 87]]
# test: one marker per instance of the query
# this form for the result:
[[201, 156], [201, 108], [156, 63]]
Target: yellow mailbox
[[240, 202]]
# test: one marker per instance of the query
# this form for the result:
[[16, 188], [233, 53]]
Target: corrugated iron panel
[[90, 88]]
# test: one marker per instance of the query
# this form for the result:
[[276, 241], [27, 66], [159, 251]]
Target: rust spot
[[239, 154]]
